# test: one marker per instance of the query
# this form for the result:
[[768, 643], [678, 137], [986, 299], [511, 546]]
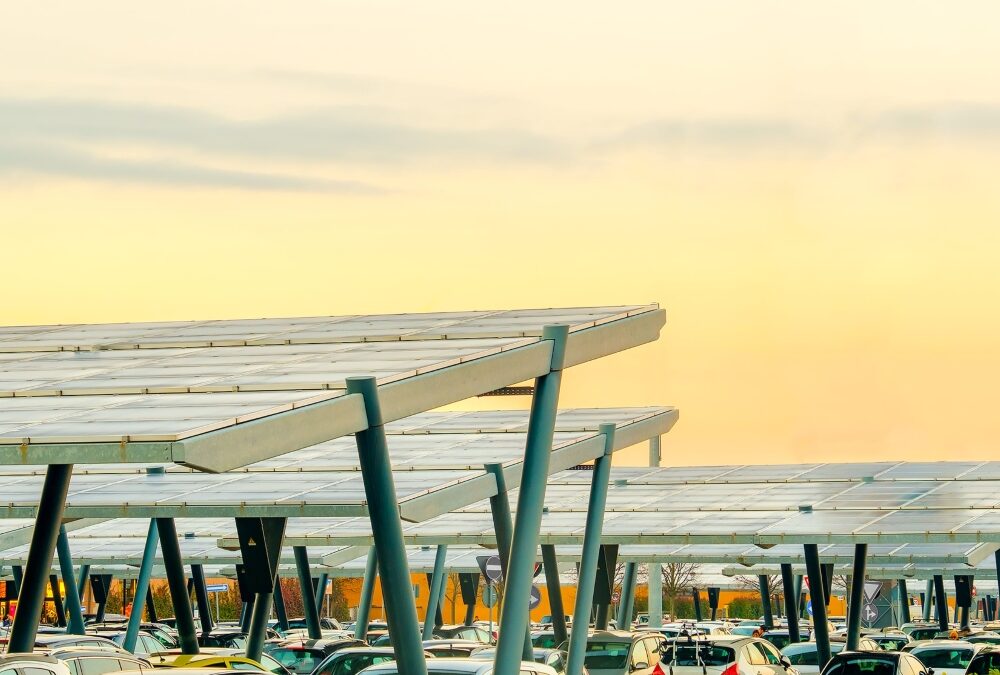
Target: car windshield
[[862, 665], [892, 644], [924, 633], [545, 641], [606, 655], [804, 654], [300, 661], [944, 657], [698, 654]]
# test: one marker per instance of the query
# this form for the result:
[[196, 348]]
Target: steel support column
[[81, 581], [279, 605], [857, 597], [306, 586], [258, 625], [57, 601], [941, 602], [173, 565], [791, 602], [627, 599], [587, 576], [654, 451], [151, 606], [696, 600], [800, 599], [387, 532], [142, 589], [654, 585], [821, 629], [246, 611], [18, 573], [765, 600], [904, 601], [31, 596], [73, 609], [324, 579], [551, 566], [434, 592], [531, 496], [367, 593], [201, 596], [928, 600], [503, 527]]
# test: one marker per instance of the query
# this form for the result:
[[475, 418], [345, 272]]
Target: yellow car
[[220, 658]]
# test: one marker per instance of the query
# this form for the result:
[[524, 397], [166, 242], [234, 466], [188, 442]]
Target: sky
[[808, 189]]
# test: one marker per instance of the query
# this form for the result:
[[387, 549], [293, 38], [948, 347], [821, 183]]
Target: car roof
[[944, 642], [17, 656], [456, 665]]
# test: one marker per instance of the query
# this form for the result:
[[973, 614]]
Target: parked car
[[459, 667], [984, 662], [782, 638], [62, 640], [621, 652], [87, 662], [165, 635], [474, 633], [544, 639], [724, 655], [804, 657], [892, 642], [353, 660], [227, 639], [452, 648], [875, 663], [946, 657], [556, 658], [302, 656], [986, 638], [31, 664], [145, 643]]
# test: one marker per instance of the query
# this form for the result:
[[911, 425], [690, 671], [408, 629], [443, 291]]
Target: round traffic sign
[[536, 597], [489, 596], [493, 569]]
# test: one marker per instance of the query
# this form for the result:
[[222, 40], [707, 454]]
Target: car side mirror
[[785, 662], [929, 671]]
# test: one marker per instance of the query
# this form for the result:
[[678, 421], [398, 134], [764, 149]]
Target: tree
[[677, 579], [772, 586]]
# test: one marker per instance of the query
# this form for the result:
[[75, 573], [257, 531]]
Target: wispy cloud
[[54, 160]]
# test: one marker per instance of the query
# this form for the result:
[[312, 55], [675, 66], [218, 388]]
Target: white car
[[946, 657], [18, 664], [458, 667], [805, 658], [723, 655]]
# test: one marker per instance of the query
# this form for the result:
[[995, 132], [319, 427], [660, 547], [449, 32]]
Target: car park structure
[[219, 395]]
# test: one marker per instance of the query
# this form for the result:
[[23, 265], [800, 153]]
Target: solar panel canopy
[[216, 395]]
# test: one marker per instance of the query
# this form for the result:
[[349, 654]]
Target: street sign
[[490, 565], [809, 607], [869, 613], [536, 597], [217, 588], [489, 596], [872, 590]]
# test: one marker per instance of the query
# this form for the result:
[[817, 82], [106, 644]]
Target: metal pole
[[627, 597], [72, 595], [57, 601], [387, 532], [503, 526], [531, 495], [367, 592], [904, 601], [151, 606], [654, 451], [551, 566], [821, 631], [201, 595], [324, 579], [654, 585], [434, 592], [258, 625], [173, 565], [81, 582], [929, 599], [963, 616], [31, 597], [305, 585], [18, 573], [765, 600], [246, 612], [791, 602], [941, 602], [857, 597], [587, 576], [279, 605], [696, 599], [142, 588]]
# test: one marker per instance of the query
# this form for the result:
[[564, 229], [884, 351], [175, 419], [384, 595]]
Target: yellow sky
[[809, 191]]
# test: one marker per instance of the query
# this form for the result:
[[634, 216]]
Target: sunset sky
[[811, 191]]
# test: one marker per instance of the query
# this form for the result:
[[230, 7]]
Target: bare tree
[[677, 579]]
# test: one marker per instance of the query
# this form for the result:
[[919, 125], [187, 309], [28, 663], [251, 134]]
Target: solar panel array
[[169, 381]]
